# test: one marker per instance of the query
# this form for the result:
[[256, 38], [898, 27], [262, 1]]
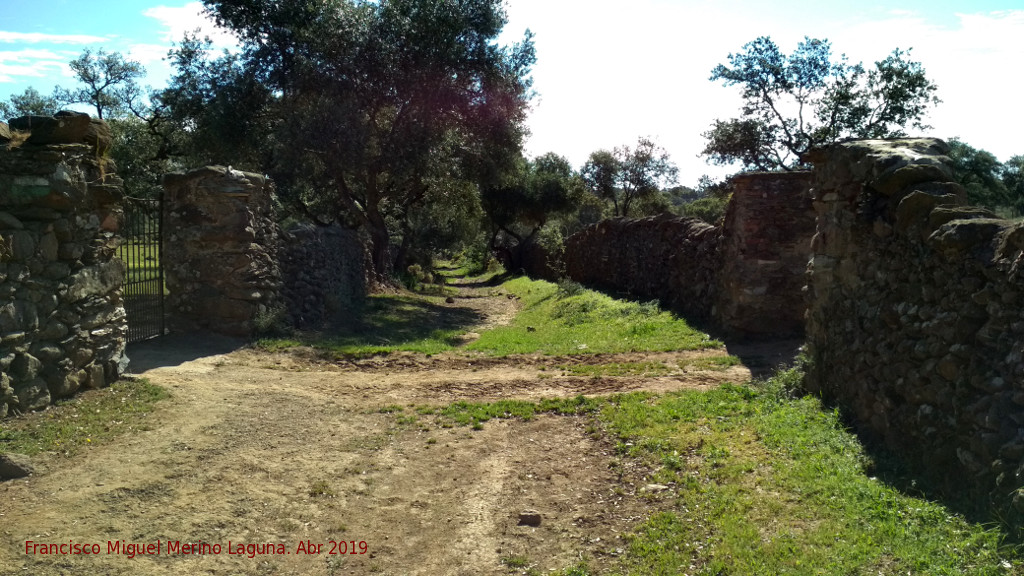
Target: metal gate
[[144, 285]]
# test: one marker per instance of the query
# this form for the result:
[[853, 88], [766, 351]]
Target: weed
[[516, 561], [89, 419], [321, 488]]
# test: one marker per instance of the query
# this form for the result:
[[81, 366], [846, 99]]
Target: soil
[[294, 451]]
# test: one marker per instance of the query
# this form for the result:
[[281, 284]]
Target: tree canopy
[[108, 82], [628, 175], [358, 106], [795, 102]]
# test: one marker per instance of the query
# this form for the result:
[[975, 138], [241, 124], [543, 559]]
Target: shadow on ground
[[177, 348]]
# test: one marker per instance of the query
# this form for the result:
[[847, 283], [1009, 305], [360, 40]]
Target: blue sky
[[609, 71]]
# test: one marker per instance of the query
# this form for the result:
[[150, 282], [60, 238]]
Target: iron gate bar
[[142, 253]]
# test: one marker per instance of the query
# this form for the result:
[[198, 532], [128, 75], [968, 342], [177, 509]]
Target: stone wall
[[916, 319], [324, 270], [666, 257], [766, 243], [220, 244], [746, 278], [62, 322]]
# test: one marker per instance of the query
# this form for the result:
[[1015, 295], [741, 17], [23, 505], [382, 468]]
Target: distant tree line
[[406, 118]]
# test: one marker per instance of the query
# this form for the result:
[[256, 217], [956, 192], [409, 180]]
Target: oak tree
[[795, 102]]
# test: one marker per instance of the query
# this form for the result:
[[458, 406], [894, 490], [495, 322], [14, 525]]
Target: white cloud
[[38, 38], [610, 71], [16, 65], [179, 20]]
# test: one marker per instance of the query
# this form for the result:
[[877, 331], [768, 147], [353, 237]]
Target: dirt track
[[258, 448]]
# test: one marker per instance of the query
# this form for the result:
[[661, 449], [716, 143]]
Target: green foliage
[[710, 210], [85, 420], [979, 172], [555, 322], [28, 103], [271, 322], [108, 83], [797, 102], [769, 483], [630, 177], [358, 109], [1013, 180], [525, 201]]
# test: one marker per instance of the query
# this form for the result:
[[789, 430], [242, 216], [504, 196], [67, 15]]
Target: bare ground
[[291, 450]]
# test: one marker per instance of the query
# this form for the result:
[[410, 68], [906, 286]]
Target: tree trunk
[[380, 249]]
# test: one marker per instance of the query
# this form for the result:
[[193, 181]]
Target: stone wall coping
[[180, 178]]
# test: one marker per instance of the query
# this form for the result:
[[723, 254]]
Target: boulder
[[62, 128], [99, 137], [15, 466]]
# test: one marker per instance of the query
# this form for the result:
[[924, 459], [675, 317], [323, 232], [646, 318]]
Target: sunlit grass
[[574, 320], [88, 419]]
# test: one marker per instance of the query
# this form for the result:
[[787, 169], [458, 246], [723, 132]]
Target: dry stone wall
[[666, 257], [62, 321], [916, 319], [766, 243], [745, 277], [220, 249], [324, 269]]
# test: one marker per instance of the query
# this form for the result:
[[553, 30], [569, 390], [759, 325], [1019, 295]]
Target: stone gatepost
[[62, 321], [766, 245], [220, 250]]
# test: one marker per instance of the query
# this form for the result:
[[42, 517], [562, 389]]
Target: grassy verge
[[768, 484], [87, 419], [572, 320], [388, 323], [555, 321], [761, 483]]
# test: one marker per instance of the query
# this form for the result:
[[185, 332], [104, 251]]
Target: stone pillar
[[62, 321], [220, 249], [766, 244], [325, 272]]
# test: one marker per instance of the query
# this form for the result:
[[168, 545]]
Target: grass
[[763, 482], [389, 323], [87, 419], [555, 321], [768, 484], [142, 263], [650, 369]]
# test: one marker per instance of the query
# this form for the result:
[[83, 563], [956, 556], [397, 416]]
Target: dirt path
[[289, 452]]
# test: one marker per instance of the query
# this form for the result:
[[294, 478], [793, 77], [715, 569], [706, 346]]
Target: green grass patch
[[762, 483], [389, 323], [768, 484], [651, 369], [553, 321], [574, 320], [91, 418], [714, 363]]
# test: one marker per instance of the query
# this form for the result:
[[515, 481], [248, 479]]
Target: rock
[[33, 395], [96, 280], [14, 466], [7, 220], [64, 127], [655, 488], [449, 300], [99, 137], [959, 236], [5, 133], [529, 518], [942, 215]]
